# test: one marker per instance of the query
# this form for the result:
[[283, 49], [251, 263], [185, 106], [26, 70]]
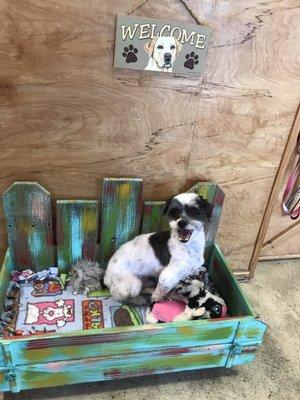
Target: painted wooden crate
[[113, 353]]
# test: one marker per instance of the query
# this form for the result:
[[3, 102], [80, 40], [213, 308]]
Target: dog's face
[[186, 213], [164, 50]]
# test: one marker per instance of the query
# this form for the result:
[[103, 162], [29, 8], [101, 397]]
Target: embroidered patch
[[50, 313], [92, 314], [50, 288]]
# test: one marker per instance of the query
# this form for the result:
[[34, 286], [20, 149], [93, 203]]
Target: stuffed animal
[[192, 298], [85, 275]]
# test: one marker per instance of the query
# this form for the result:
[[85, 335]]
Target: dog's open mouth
[[184, 234]]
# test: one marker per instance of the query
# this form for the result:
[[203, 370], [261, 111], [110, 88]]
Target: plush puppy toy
[[193, 298]]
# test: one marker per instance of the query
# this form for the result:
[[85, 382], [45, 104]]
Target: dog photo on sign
[[157, 45]]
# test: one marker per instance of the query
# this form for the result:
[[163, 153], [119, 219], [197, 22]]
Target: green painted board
[[6, 269], [212, 193], [27, 209], [153, 219], [77, 227], [120, 366], [108, 342], [229, 288], [121, 213]]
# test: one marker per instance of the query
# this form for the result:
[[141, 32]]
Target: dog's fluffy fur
[[169, 256], [162, 53]]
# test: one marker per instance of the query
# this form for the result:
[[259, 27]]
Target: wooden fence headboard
[[27, 208]]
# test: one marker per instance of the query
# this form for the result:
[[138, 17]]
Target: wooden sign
[[157, 45]]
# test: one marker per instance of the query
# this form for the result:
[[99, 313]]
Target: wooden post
[[277, 185]]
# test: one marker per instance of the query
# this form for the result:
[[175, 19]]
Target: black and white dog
[[169, 256]]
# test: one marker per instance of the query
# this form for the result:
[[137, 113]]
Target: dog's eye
[[160, 47], [172, 47], [194, 211], [174, 213]]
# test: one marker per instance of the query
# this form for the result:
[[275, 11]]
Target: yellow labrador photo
[[162, 53]]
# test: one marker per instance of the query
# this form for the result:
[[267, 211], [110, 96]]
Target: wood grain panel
[[246, 108], [68, 118]]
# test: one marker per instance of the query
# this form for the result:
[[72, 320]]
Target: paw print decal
[[191, 60], [130, 54]]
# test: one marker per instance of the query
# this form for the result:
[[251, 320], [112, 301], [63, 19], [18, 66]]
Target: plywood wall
[[67, 118]]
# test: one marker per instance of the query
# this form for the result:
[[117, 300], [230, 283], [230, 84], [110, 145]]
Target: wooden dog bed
[[53, 359]]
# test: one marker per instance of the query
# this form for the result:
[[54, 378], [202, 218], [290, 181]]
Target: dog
[[162, 53], [169, 256]]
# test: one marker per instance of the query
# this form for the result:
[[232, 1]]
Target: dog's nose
[[182, 224], [168, 57]]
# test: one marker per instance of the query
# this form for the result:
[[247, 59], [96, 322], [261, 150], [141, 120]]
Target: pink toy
[[167, 310]]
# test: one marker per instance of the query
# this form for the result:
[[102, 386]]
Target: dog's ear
[[166, 206], [178, 46], [149, 47], [205, 208]]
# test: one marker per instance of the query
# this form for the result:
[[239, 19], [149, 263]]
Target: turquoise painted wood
[[120, 366], [77, 229], [153, 219], [120, 213], [108, 342], [27, 209], [229, 288], [113, 353]]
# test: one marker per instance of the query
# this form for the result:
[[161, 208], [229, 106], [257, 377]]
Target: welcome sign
[[157, 45]]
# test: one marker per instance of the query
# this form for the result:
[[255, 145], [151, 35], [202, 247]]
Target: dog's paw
[[130, 54], [156, 297], [191, 60]]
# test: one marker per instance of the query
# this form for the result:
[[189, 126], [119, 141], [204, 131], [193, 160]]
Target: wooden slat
[[111, 341], [6, 269], [212, 193], [121, 213], [27, 209], [120, 366], [279, 257], [228, 286], [283, 234], [153, 219], [77, 227]]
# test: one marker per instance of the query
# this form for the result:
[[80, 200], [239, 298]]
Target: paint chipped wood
[[77, 228], [27, 209], [120, 213], [153, 218]]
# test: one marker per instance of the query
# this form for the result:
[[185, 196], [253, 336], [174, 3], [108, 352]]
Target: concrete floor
[[274, 374]]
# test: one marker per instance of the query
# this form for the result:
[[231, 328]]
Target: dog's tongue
[[184, 234]]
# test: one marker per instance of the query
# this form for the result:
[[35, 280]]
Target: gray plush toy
[[85, 275]]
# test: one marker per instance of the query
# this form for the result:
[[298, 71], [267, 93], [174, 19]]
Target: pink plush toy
[[167, 310]]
